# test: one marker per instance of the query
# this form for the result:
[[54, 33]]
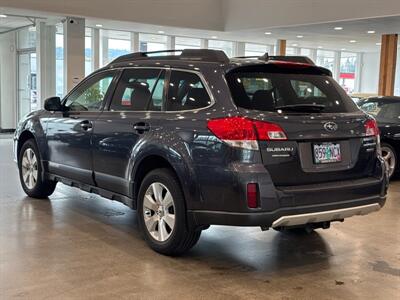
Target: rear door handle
[[141, 127], [86, 125]]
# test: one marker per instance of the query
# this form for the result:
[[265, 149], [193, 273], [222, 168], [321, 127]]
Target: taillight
[[252, 195], [371, 128], [243, 132]]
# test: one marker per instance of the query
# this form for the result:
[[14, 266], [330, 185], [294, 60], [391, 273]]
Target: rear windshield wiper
[[302, 107]]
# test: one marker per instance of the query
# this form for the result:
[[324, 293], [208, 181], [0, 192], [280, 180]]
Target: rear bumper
[[290, 216]]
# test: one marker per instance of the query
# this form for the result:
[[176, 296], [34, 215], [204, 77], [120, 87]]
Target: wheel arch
[[156, 161]]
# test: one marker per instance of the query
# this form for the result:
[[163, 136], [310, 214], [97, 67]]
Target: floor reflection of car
[[386, 111]]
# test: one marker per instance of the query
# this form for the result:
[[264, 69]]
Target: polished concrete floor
[[77, 245]]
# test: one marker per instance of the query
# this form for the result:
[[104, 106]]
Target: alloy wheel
[[159, 211], [29, 167], [390, 159]]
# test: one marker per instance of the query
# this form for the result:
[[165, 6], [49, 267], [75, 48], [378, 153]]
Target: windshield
[[292, 92], [388, 112]]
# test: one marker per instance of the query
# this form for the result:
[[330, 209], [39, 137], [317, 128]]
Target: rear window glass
[[272, 91]]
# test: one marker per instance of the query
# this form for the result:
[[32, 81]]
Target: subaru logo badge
[[331, 126]]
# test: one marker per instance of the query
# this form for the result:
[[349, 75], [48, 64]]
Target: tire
[[30, 172], [390, 157], [155, 215]]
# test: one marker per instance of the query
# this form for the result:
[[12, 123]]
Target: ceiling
[[321, 35]]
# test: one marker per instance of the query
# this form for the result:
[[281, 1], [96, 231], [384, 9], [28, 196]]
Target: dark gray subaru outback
[[197, 139]]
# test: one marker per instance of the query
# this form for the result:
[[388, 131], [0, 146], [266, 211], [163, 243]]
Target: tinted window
[[385, 112], [186, 92], [139, 90], [269, 91], [90, 95]]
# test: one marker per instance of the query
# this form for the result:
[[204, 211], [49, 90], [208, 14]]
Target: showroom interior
[[79, 245]]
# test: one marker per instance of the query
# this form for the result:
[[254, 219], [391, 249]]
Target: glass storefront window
[[225, 46], [117, 48], [255, 49], [291, 51], [187, 43], [348, 63], [27, 38], [326, 59], [59, 61], [88, 52], [152, 42], [306, 52]]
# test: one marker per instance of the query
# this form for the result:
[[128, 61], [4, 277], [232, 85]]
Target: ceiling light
[[378, 44], [3, 16], [320, 47], [338, 28], [214, 37], [294, 45], [352, 41], [371, 31], [300, 36], [343, 49], [161, 32], [268, 33], [99, 25]]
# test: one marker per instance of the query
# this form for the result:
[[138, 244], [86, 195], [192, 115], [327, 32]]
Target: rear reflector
[[252, 195], [243, 132], [371, 128]]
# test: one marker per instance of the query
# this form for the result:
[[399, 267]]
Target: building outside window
[[326, 59], [347, 76], [152, 42], [187, 43], [225, 46]]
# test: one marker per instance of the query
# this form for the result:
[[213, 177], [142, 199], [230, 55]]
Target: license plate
[[327, 153]]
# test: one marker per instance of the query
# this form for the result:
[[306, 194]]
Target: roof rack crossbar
[[207, 55]]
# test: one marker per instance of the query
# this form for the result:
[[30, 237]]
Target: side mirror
[[53, 104]]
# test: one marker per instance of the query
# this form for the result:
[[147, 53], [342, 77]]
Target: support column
[[170, 42], [103, 48], [45, 62], [239, 49], [204, 44], [387, 72], [336, 66], [95, 48], [281, 47], [74, 51], [135, 44]]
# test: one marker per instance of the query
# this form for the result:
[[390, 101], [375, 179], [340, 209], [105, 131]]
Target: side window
[[90, 96], [186, 92], [139, 90]]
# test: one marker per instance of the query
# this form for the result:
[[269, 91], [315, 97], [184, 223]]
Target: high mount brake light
[[245, 133]]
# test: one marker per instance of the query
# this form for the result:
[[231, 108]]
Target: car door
[[127, 121], [69, 133]]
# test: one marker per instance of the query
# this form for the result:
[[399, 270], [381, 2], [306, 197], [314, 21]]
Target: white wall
[[370, 73], [8, 87]]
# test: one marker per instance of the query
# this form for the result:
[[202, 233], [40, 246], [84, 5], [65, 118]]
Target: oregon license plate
[[327, 153]]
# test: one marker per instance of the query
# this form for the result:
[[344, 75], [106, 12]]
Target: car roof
[[199, 59]]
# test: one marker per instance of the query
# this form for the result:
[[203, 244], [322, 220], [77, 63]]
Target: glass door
[[27, 85]]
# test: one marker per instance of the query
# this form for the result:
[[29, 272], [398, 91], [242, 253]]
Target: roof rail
[[207, 55]]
